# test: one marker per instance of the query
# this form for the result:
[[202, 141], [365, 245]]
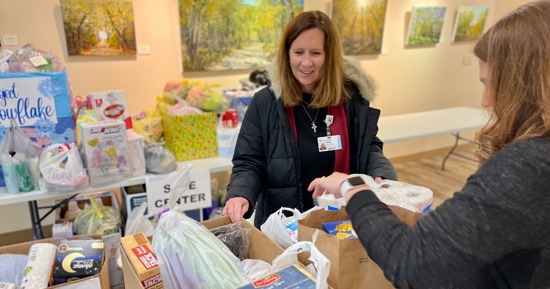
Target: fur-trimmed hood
[[352, 72]]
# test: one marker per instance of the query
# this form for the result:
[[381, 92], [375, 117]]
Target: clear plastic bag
[[235, 237], [95, 220], [189, 255], [12, 268], [62, 169], [138, 222], [158, 159], [19, 159]]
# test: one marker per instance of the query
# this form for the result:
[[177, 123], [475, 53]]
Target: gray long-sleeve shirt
[[494, 233]]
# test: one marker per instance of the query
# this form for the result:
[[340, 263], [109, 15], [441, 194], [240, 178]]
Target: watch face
[[356, 181]]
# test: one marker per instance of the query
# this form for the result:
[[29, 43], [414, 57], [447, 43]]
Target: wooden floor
[[425, 170]]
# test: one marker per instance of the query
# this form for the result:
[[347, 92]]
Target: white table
[[431, 123], [216, 164]]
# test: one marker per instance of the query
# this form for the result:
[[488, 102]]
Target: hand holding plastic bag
[[189, 255]]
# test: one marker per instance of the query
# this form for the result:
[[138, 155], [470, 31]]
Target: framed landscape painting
[[219, 35], [425, 25], [99, 27], [361, 25], [470, 22]]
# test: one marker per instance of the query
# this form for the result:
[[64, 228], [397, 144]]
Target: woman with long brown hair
[[495, 232]]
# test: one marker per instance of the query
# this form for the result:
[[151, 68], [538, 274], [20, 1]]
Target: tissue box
[[191, 137], [105, 151]]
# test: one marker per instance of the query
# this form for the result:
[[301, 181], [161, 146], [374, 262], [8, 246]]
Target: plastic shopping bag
[[62, 169], [96, 220], [281, 229], [189, 255], [319, 267], [19, 159], [137, 222]]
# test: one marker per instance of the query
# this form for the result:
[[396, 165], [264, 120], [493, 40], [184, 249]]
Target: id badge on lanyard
[[329, 142]]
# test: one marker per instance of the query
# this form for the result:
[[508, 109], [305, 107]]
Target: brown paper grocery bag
[[350, 265]]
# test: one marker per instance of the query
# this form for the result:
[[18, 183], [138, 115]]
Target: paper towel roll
[[39, 266]]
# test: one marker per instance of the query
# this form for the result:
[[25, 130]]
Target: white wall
[[409, 79]]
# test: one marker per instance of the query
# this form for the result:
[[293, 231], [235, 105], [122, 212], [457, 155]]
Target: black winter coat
[[266, 166]]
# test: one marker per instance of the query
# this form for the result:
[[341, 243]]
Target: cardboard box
[[139, 257], [191, 137], [105, 152], [261, 247], [97, 281]]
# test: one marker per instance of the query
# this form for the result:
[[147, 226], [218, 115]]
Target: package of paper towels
[[39, 266]]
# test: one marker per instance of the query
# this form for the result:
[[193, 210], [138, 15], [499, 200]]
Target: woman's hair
[[517, 52], [330, 89]]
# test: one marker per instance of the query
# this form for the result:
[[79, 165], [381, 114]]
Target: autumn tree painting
[[361, 24], [99, 27], [232, 34], [470, 21], [425, 25]]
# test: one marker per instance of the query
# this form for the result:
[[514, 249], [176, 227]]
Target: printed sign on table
[[197, 196]]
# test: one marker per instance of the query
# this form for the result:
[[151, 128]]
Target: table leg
[[37, 231], [452, 151], [36, 220]]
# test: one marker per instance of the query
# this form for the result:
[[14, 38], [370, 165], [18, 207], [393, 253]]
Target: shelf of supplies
[[215, 165]]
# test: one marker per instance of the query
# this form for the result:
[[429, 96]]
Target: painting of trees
[[470, 22], [99, 27], [425, 25], [361, 24], [232, 34]]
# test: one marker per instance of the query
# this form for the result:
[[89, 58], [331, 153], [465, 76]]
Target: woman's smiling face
[[307, 57]]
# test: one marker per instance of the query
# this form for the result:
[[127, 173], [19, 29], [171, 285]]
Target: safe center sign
[[197, 195]]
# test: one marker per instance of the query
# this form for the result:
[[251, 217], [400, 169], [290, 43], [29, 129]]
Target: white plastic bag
[[62, 169], [137, 222], [189, 255], [281, 229], [319, 267]]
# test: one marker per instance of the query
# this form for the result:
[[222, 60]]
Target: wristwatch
[[350, 183]]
